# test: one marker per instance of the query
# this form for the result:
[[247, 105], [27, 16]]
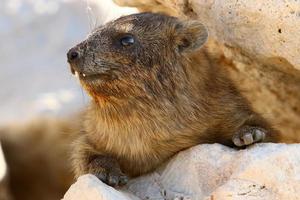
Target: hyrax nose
[[73, 55]]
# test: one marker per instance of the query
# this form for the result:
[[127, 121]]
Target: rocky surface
[[263, 171], [4, 190], [265, 28], [258, 41]]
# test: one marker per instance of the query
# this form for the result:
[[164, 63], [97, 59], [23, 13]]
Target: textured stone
[[268, 28], [4, 191], [263, 171], [90, 187], [259, 42]]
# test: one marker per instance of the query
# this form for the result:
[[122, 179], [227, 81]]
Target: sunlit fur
[[157, 97]]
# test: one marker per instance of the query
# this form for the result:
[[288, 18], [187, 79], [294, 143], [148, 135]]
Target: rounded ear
[[190, 35]]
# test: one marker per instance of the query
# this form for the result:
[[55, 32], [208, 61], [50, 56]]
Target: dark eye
[[127, 40]]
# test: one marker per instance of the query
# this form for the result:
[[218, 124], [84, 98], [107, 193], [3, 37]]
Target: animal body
[[155, 91]]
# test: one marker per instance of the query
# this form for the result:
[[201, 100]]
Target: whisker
[[83, 96], [89, 15]]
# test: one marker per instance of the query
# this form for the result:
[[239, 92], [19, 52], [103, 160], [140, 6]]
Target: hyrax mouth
[[84, 72], [91, 77], [82, 75]]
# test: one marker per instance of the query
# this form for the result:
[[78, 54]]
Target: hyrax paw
[[248, 135], [108, 171], [113, 177]]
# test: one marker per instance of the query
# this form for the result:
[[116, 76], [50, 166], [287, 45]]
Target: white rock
[[261, 28], [90, 187], [4, 190], [268, 28], [3, 166], [263, 171]]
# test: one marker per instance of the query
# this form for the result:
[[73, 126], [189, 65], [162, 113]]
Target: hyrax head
[[136, 56]]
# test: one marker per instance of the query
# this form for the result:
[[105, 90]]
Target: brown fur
[[149, 101], [154, 98], [37, 156]]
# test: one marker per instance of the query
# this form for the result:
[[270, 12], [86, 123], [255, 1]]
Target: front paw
[[112, 177], [108, 171], [248, 135]]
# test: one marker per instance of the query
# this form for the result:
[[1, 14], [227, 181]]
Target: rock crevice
[[259, 42]]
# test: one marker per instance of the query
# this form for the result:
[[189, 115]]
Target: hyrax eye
[[127, 40]]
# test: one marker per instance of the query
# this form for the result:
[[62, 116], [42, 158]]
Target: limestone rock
[[261, 172], [259, 42], [4, 191], [268, 28], [90, 187]]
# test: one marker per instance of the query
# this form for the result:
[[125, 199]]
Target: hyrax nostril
[[72, 55]]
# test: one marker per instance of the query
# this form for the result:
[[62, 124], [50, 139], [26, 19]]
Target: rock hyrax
[[155, 92]]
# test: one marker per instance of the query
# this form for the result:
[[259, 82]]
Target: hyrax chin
[[155, 92]]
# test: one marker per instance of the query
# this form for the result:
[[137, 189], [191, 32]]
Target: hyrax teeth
[[76, 74], [83, 74]]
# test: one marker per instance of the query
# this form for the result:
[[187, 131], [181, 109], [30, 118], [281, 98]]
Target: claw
[[259, 135], [108, 171], [248, 135], [248, 139], [113, 180], [237, 142]]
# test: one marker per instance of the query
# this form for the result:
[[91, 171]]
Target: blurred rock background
[[38, 91], [35, 36]]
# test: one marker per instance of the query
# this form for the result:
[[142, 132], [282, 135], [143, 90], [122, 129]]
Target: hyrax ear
[[190, 35]]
